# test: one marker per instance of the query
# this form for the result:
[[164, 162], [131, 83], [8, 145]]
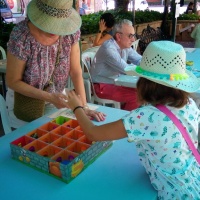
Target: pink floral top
[[40, 59]]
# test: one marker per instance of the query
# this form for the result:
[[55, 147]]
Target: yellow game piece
[[189, 63]]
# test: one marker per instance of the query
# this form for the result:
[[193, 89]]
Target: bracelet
[[77, 108]]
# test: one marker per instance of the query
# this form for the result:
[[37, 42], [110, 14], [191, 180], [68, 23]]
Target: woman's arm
[[14, 73], [76, 72], [100, 39], [111, 131], [77, 79]]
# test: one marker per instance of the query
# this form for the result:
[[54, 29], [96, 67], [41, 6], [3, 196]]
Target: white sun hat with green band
[[164, 62], [54, 16]]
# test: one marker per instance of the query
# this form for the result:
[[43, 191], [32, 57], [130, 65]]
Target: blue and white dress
[[171, 166]]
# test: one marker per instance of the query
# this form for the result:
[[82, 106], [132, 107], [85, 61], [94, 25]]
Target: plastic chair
[[135, 44], [3, 53], [92, 49], [85, 75], [4, 116], [87, 58]]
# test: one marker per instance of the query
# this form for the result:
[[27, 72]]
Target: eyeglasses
[[130, 36]]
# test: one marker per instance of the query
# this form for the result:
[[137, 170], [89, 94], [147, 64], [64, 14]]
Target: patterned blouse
[[170, 164], [40, 59]]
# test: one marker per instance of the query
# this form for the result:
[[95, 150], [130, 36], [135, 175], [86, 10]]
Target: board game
[[58, 148]]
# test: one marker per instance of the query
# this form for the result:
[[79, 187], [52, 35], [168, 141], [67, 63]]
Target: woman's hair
[[154, 93], [189, 7], [108, 19], [190, 4]]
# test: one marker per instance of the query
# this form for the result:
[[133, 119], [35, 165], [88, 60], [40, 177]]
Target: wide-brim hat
[[54, 16], [164, 62]]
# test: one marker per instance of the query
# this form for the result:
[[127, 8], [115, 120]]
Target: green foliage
[[185, 17], [189, 17], [5, 30], [147, 16], [90, 23]]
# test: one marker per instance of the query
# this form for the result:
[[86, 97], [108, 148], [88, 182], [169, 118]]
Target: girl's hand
[[74, 100]]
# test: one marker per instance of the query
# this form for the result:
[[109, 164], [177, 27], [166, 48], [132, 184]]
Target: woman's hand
[[74, 101], [102, 25], [93, 114], [59, 100]]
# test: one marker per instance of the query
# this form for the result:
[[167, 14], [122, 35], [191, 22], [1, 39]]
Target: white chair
[[92, 49], [3, 53], [135, 44], [69, 82], [87, 58], [4, 116]]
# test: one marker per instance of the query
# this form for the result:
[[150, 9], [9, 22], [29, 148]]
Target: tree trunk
[[164, 27], [122, 4]]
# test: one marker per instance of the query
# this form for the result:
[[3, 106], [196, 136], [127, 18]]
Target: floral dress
[[170, 164], [41, 59], [41, 67]]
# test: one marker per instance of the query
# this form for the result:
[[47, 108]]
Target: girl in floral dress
[[169, 162]]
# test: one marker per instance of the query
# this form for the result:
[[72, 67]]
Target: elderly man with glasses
[[109, 62]]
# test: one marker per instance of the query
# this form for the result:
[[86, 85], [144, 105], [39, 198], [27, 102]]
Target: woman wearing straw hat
[[164, 82], [43, 51]]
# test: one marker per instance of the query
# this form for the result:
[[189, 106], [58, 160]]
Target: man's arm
[[114, 60], [134, 57]]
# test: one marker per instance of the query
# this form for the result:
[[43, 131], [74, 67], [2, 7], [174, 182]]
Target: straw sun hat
[[164, 62], [54, 16]]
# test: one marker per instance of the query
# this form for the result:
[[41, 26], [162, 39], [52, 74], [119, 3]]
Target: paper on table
[[189, 50], [65, 112]]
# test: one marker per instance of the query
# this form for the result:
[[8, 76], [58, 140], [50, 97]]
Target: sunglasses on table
[[130, 36]]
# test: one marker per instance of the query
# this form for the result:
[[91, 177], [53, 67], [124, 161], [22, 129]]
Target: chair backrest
[[3, 53], [92, 49], [135, 44], [87, 58], [4, 116]]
